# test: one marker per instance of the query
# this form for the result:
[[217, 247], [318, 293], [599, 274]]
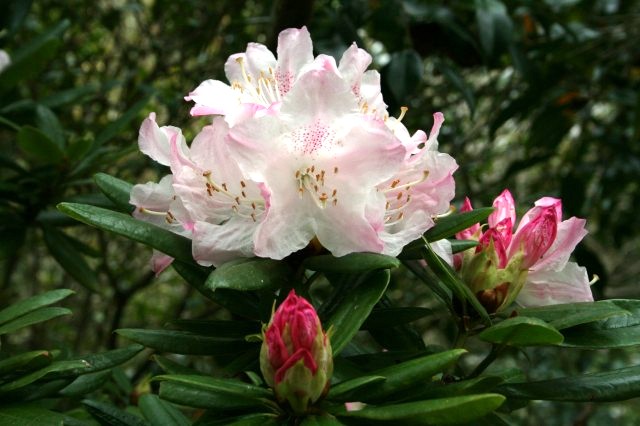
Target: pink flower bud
[[535, 238], [471, 232], [295, 358]]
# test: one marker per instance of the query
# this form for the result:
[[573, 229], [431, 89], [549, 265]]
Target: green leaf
[[109, 359], [209, 392], [441, 389], [60, 367], [109, 415], [449, 277], [243, 304], [351, 263], [86, 384], [167, 242], [571, 314], [219, 328], [614, 332], [223, 386], [47, 121], [352, 310], [410, 373], [250, 274], [89, 364], [391, 317], [31, 59], [117, 190], [448, 226], [65, 253], [159, 412], [522, 331], [183, 342], [35, 317], [434, 411], [39, 146], [348, 390], [615, 385], [26, 361], [461, 245], [31, 414]]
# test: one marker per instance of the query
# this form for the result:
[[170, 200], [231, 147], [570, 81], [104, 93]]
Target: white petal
[[547, 287]]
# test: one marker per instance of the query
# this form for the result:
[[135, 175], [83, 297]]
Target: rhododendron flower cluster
[[299, 148], [530, 265], [296, 357]]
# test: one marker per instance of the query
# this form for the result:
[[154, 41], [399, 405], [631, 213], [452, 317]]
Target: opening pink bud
[[535, 238]]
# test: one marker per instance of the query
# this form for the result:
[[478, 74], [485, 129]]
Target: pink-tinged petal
[[505, 229], [217, 244], [494, 238], [153, 196], [536, 237], [154, 141], [547, 287], [438, 119], [544, 202], [371, 93], [551, 201], [504, 209], [213, 97], [295, 50], [278, 352], [472, 232], [570, 233], [160, 262], [418, 139], [156, 203], [410, 228], [247, 68], [352, 66], [423, 186], [259, 59]]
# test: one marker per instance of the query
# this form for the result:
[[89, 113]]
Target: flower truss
[[299, 149], [530, 265]]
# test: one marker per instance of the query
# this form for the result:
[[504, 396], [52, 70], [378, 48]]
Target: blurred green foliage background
[[542, 97]]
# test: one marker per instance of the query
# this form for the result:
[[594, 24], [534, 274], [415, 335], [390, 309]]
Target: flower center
[[312, 181], [241, 204]]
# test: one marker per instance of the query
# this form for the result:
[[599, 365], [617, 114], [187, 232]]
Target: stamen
[[425, 175], [403, 111]]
